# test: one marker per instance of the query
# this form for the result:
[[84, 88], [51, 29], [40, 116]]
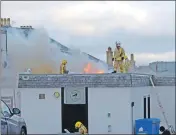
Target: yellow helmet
[[64, 62], [78, 124]]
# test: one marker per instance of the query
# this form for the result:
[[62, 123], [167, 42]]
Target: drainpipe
[[6, 40], [132, 120]]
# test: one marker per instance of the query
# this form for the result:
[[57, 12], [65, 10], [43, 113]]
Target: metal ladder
[[170, 127]]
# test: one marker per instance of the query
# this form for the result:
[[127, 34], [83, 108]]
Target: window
[[147, 108], [5, 110], [41, 96]]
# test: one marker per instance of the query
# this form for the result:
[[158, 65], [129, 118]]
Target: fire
[[89, 69]]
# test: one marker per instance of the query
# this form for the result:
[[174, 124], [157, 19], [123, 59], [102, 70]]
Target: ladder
[[170, 127]]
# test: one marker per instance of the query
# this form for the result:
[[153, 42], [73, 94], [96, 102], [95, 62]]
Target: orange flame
[[90, 70]]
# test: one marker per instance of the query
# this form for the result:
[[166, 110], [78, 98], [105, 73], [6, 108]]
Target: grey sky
[[145, 28]]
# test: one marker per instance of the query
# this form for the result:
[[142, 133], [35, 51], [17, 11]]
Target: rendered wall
[[167, 98], [100, 101], [42, 116], [137, 95], [46, 113], [115, 101], [99, 86]]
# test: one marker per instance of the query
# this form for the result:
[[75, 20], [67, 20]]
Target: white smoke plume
[[37, 53]]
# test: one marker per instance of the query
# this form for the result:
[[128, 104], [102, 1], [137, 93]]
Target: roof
[[159, 68], [91, 80]]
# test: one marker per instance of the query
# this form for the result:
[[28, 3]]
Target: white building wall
[[116, 101], [42, 116], [47, 113], [137, 95], [167, 98]]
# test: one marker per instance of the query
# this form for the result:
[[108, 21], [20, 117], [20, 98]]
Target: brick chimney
[[109, 56], [132, 62], [5, 22]]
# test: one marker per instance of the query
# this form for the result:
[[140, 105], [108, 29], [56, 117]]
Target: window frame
[[145, 107], [149, 106]]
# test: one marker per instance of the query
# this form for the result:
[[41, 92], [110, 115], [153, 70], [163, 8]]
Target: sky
[[145, 28]]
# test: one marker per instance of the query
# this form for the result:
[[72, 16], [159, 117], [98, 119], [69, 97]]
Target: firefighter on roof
[[63, 67], [118, 58]]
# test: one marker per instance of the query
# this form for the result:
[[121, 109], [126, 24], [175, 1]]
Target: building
[[51, 103], [159, 68], [103, 102], [102, 105]]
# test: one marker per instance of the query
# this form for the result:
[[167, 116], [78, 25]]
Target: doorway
[[71, 113]]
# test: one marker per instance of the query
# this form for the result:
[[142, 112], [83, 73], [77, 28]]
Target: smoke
[[40, 55], [76, 61]]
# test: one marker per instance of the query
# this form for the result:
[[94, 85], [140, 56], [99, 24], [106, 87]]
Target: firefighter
[[63, 67], [118, 58], [81, 127], [126, 64]]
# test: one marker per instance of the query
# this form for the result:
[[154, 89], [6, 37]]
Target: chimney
[[8, 21], [132, 62], [132, 57], [2, 21], [109, 55], [5, 22]]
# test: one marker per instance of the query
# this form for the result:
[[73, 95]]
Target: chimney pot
[[109, 49]]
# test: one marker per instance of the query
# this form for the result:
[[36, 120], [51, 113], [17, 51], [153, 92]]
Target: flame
[[88, 69]]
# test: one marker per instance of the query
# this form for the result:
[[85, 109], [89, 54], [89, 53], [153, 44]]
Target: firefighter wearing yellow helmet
[[63, 67], [118, 58], [81, 127]]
